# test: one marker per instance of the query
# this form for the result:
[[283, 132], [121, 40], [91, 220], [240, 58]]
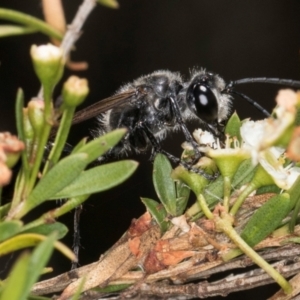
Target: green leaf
[[16, 284], [182, 196], [109, 3], [27, 271], [233, 126], [25, 240], [32, 22], [9, 228], [268, 189], [266, 219], [46, 229], [100, 145], [158, 212], [20, 127], [80, 144], [4, 209], [38, 260], [244, 173], [294, 192], [98, 179], [9, 30], [62, 174], [163, 183], [214, 191]]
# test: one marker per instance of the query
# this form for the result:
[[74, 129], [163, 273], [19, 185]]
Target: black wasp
[[154, 105], [162, 102]]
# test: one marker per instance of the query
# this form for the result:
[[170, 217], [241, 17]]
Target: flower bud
[[75, 91], [28, 130], [48, 63], [5, 174], [12, 147], [36, 115]]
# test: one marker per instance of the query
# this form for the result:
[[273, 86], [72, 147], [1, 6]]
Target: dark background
[[235, 39]]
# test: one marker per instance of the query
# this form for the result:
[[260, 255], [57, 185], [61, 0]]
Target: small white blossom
[[284, 177], [252, 134], [204, 137], [260, 135], [47, 52]]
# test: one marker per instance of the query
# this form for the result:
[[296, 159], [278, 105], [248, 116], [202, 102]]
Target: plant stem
[[66, 207], [60, 139], [227, 190], [204, 207], [74, 29], [19, 188], [227, 228], [43, 138], [245, 193]]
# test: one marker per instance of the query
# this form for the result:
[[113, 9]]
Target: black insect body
[[149, 109], [160, 103], [154, 105]]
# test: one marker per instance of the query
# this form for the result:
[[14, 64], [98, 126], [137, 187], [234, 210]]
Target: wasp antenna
[[251, 101], [279, 81]]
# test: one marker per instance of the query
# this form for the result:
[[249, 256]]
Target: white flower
[[255, 138], [284, 177], [47, 52], [260, 135], [204, 137], [252, 134]]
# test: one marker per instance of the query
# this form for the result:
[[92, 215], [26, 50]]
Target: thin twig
[[74, 29]]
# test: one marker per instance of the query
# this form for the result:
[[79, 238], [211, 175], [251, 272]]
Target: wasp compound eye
[[202, 102]]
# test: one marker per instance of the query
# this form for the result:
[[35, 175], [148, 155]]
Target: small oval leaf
[[9, 229], [233, 126], [163, 183], [98, 179], [266, 219], [14, 287], [62, 174], [158, 212], [46, 229], [100, 145], [182, 196], [9, 30], [38, 260], [25, 240]]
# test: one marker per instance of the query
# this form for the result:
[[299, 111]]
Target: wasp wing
[[103, 105], [100, 107]]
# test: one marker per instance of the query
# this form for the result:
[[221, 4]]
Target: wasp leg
[[76, 236], [187, 134], [157, 149]]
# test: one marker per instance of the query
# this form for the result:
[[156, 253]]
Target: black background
[[235, 39]]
